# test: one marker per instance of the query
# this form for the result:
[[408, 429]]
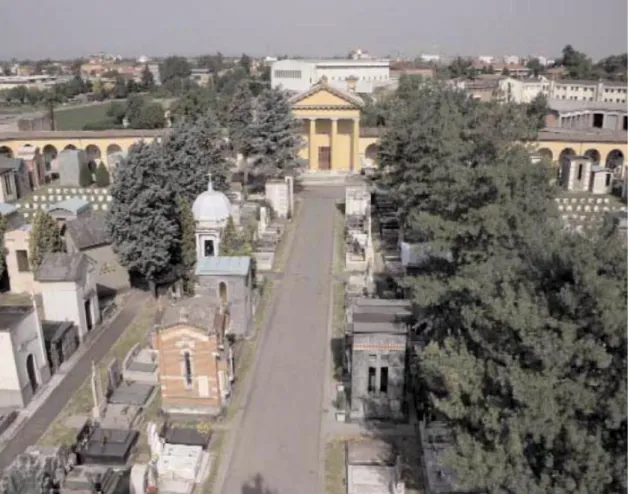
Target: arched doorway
[[6, 152], [93, 152], [113, 153], [223, 294], [371, 154], [70, 147], [566, 155], [32, 373], [593, 155], [546, 154], [614, 159]]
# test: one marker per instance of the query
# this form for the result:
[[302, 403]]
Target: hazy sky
[[73, 28]]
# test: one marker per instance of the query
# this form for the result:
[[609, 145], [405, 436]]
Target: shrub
[[85, 176], [102, 175]]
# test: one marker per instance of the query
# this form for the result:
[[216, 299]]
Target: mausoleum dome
[[211, 206]]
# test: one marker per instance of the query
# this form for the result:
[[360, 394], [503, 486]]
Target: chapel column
[[312, 148], [333, 143], [356, 160]]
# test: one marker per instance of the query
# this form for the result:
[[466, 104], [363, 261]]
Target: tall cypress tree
[[188, 245], [45, 238], [195, 148], [275, 135], [142, 221]]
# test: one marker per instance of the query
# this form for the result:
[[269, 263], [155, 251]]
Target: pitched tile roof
[[60, 266], [88, 232], [353, 99]]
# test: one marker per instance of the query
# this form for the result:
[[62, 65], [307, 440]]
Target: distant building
[[486, 59], [525, 90], [361, 76], [428, 58], [511, 60]]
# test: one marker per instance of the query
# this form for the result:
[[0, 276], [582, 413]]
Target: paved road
[[277, 448], [38, 423]]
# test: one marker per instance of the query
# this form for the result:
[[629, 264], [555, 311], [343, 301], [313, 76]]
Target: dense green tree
[[142, 221], [233, 242], [195, 102], [101, 175], [150, 116], [120, 90], [537, 110], [175, 74], [116, 112], [194, 149], [147, 82], [275, 140], [188, 245], [45, 238], [535, 66], [246, 63], [524, 324], [214, 63], [85, 176], [239, 122]]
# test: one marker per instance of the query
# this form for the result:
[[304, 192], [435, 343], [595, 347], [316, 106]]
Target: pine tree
[[239, 121], [188, 244], [194, 149], [526, 344], [142, 221], [3, 229], [102, 175], [85, 175], [147, 81], [233, 242], [275, 140], [45, 238]]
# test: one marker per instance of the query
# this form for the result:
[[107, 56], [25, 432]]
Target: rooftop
[[88, 232], [60, 266], [74, 205], [9, 164], [223, 265], [194, 310], [595, 135], [7, 209], [11, 315], [565, 106], [370, 452]]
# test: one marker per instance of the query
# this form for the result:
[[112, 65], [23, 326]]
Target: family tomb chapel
[[211, 210]]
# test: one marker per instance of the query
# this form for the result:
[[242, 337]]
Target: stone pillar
[[312, 148], [356, 160], [333, 143]]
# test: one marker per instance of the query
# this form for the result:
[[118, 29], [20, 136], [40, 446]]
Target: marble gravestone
[[114, 376]]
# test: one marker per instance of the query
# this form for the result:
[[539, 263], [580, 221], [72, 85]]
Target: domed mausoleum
[[211, 210]]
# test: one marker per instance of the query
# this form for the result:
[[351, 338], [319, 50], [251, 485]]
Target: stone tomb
[[101, 446], [377, 338], [372, 466]]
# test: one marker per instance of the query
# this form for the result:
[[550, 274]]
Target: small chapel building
[[211, 210]]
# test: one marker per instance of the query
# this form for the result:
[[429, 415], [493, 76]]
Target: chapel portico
[[330, 128]]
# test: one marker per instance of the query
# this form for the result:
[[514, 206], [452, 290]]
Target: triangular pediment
[[183, 331], [324, 96]]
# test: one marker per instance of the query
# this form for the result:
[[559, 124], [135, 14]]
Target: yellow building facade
[[330, 121]]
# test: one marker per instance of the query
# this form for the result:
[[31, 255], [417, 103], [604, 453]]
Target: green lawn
[[76, 118]]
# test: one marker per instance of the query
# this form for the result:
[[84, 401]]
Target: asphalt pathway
[[277, 447], [38, 423]]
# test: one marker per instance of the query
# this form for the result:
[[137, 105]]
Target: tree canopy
[[275, 135], [523, 324], [142, 221], [45, 238], [192, 150]]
